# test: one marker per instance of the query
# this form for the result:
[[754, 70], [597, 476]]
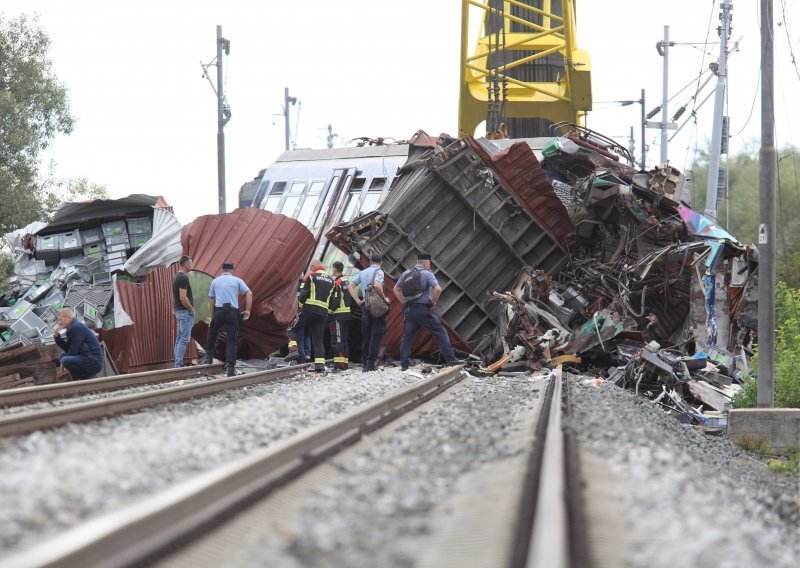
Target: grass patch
[[787, 466], [783, 461]]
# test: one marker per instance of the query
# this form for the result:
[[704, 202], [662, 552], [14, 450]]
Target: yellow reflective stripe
[[320, 303], [319, 360], [340, 359], [342, 310], [292, 344]]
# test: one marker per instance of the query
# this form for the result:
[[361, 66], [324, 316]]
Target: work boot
[[319, 368], [230, 369], [205, 360]]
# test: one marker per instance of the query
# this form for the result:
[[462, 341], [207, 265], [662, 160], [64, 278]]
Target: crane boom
[[526, 71]]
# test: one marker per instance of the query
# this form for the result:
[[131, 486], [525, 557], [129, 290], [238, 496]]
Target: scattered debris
[[79, 261], [557, 247], [28, 365]]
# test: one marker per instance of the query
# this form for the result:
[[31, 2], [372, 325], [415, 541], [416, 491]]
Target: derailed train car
[[322, 188]]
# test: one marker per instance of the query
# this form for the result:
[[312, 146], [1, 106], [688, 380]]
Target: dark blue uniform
[[83, 356], [418, 313]]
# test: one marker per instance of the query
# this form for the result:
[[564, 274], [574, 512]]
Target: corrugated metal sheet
[[270, 253], [163, 248], [522, 175], [150, 341]]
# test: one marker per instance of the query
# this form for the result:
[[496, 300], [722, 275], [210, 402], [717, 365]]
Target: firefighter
[[315, 300], [339, 319]]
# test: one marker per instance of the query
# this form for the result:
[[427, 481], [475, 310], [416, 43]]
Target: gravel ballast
[[678, 497], [389, 499], [53, 480]]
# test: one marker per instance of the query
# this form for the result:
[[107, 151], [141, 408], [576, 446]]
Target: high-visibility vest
[[317, 291], [340, 302]]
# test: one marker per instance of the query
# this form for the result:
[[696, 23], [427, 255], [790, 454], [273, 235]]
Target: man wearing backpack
[[372, 328], [419, 291]]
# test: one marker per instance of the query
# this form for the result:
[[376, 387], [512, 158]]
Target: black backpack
[[411, 286]]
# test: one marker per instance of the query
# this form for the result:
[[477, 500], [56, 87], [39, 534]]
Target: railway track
[[27, 422], [40, 393], [549, 525]]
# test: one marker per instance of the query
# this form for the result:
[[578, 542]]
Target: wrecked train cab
[[477, 210]]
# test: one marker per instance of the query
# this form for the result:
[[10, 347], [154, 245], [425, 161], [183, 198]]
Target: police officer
[[339, 318], [418, 310], [315, 301], [223, 299], [372, 328]]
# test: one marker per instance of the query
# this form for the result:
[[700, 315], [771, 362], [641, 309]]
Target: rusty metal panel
[[522, 175], [148, 343], [270, 253]]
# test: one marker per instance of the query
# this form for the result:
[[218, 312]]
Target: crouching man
[[83, 356]]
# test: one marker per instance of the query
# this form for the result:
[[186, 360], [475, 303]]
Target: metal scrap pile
[[565, 253], [655, 295]]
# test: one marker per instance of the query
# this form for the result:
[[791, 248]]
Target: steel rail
[[558, 538], [38, 393], [25, 423], [136, 533], [549, 547]]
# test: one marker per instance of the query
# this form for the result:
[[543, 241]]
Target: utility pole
[[663, 50], [330, 136], [665, 97], [715, 151], [287, 100], [644, 122], [765, 397], [223, 111], [222, 118]]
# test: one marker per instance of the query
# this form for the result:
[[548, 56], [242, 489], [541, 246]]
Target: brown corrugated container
[[149, 343], [270, 253]]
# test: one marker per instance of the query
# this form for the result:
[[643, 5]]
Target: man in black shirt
[[184, 308]]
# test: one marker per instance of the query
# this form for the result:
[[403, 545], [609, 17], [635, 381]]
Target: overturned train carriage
[[452, 203]]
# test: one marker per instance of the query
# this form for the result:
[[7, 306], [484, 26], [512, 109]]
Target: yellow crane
[[526, 72]]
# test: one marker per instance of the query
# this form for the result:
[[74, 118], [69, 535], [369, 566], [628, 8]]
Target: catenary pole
[[644, 144], [715, 151], [766, 230], [288, 130], [665, 98], [220, 125]]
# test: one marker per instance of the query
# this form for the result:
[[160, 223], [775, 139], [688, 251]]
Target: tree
[[743, 218], [33, 110], [59, 191]]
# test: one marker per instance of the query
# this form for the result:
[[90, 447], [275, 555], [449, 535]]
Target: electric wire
[[789, 37], [703, 59]]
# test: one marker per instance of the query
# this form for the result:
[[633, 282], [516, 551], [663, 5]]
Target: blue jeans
[[418, 316], [81, 367], [185, 321]]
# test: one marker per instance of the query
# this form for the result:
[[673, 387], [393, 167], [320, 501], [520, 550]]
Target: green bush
[[787, 354]]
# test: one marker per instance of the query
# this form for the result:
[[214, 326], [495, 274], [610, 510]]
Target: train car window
[[324, 209], [371, 201], [292, 200], [297, 187], [377, 183], [275, 195], [290, 204], [310, 202], [351, 205], [358, 183]]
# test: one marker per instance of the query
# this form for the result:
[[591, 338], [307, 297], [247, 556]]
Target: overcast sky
[[147, 119]]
